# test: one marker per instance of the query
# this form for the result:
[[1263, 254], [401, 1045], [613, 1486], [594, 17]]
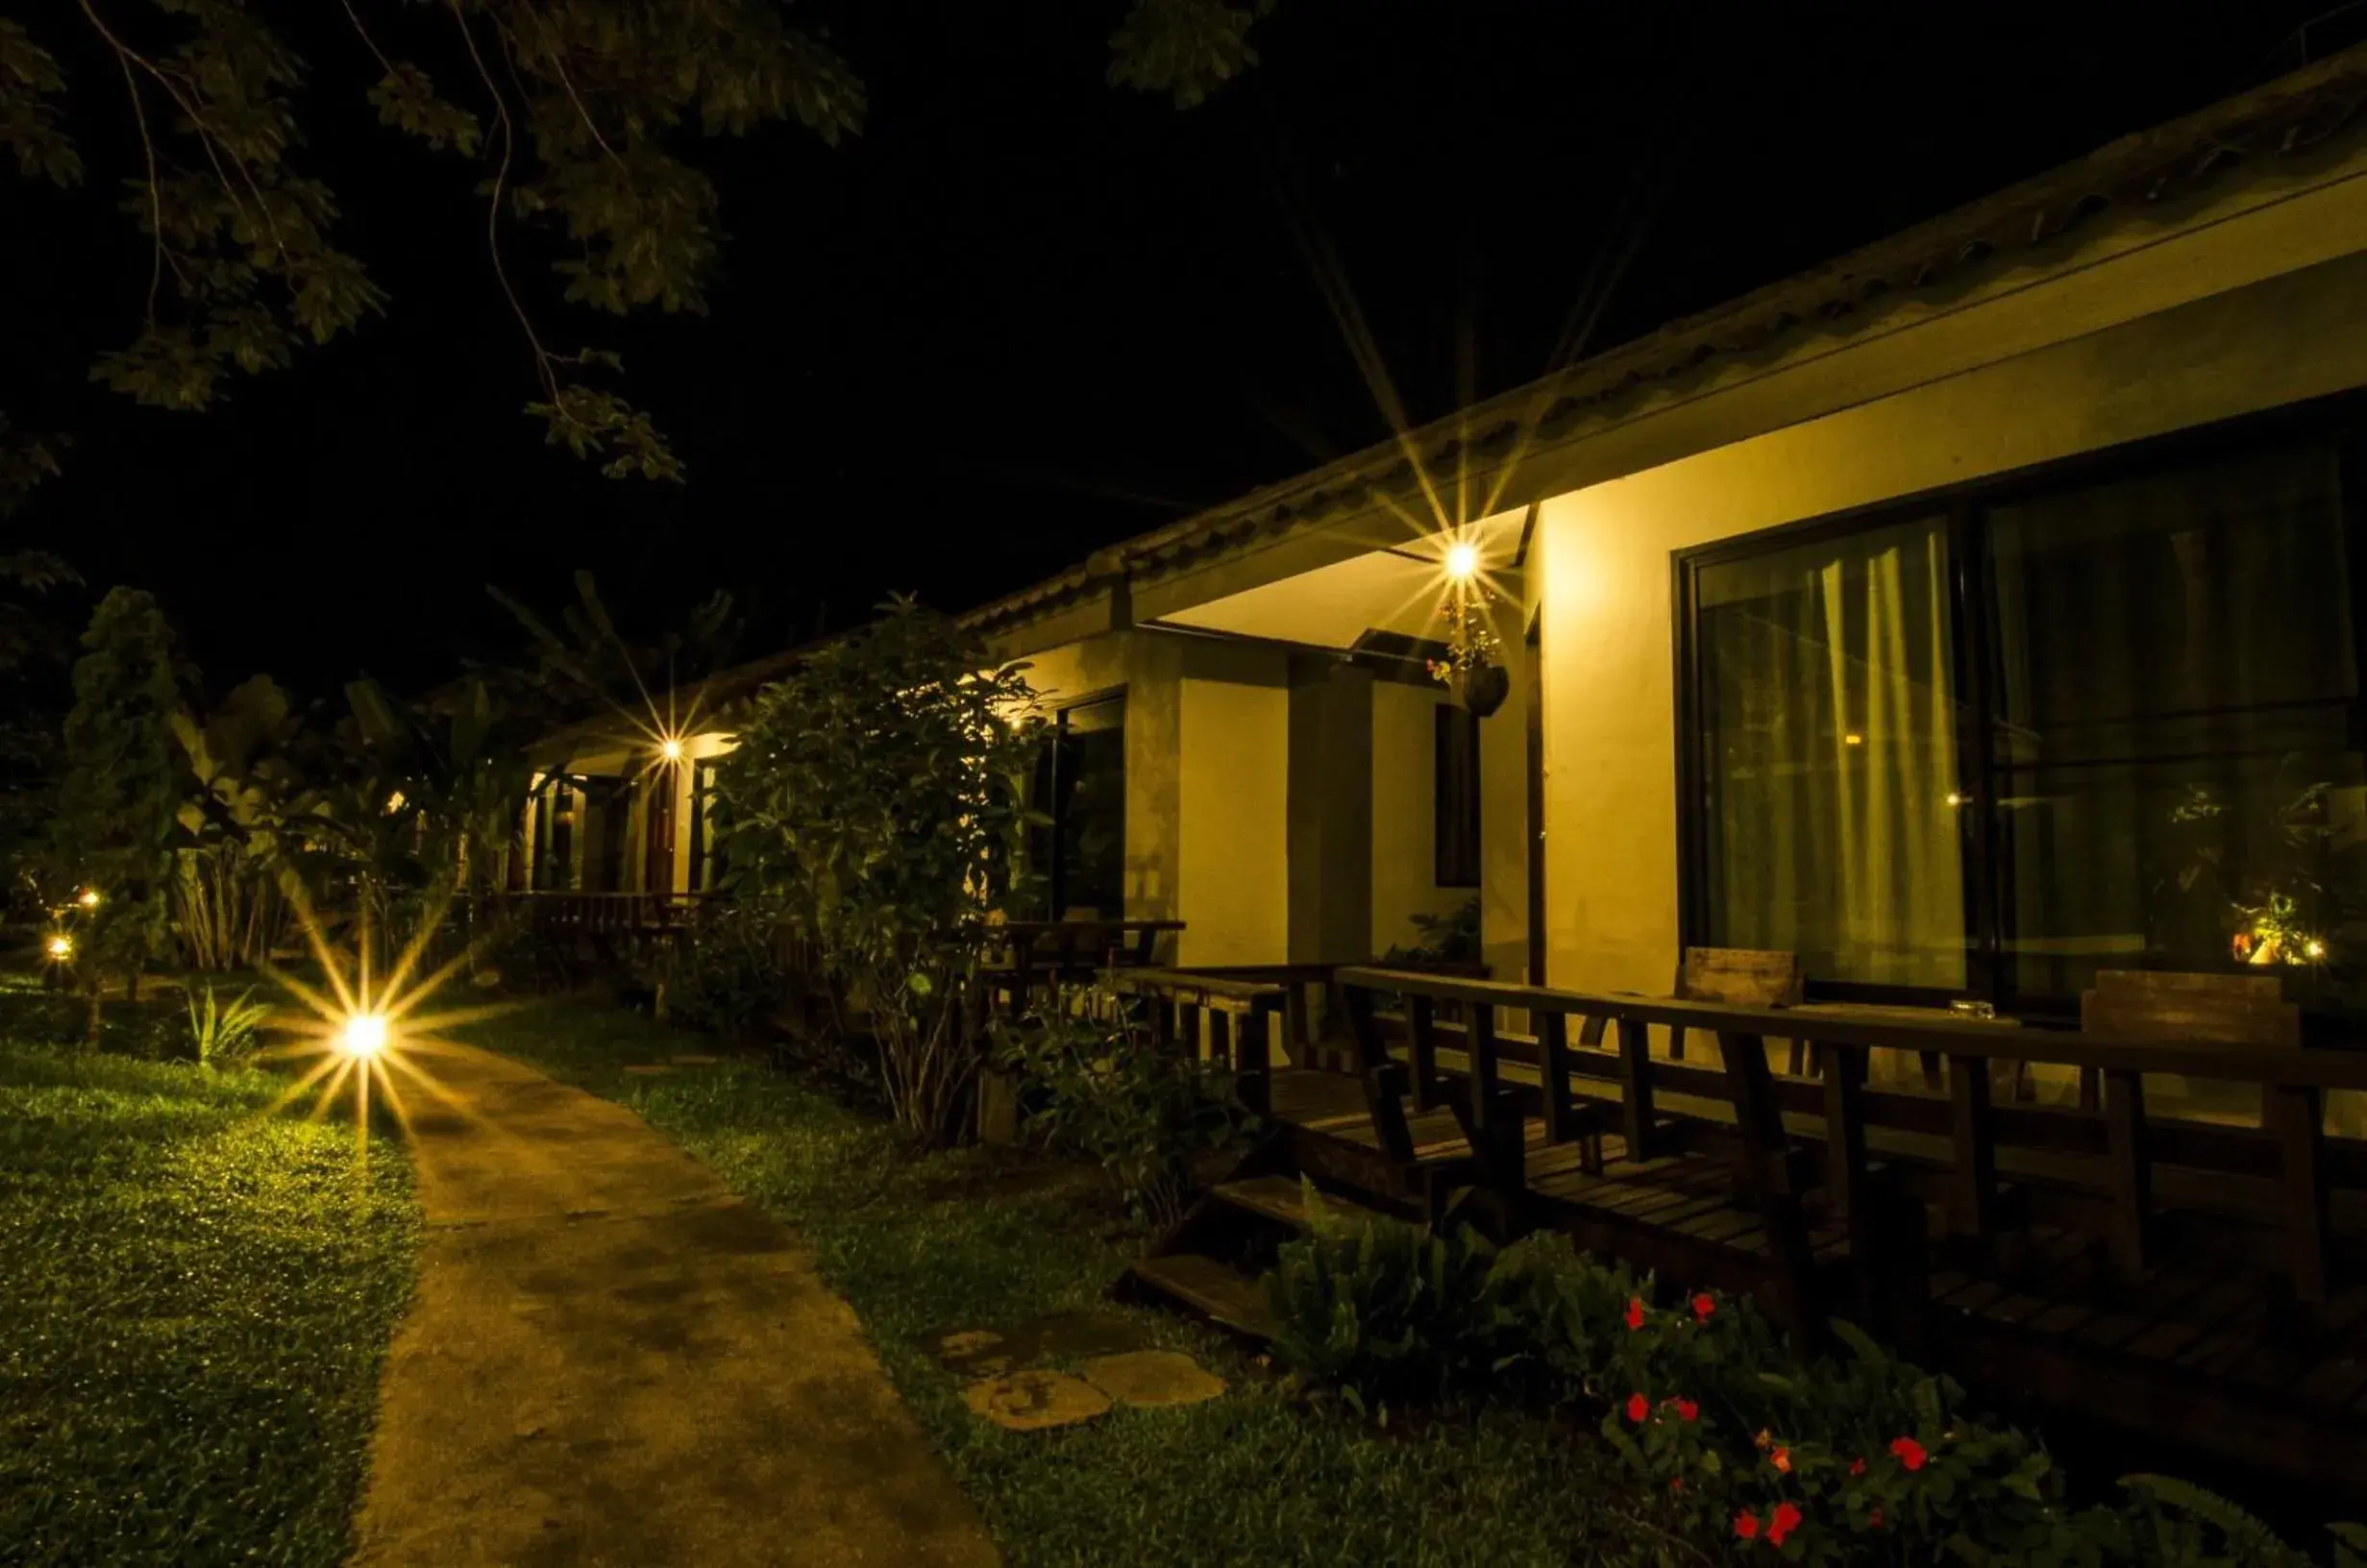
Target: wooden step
[[1218, 1293], [1284, 1199]]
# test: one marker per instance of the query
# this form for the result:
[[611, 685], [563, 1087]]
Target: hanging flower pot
[[1485, 688]]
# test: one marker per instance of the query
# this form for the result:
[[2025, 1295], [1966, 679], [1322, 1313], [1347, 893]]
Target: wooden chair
[[1743, 978], [2163, 1008], [2187, 1009]]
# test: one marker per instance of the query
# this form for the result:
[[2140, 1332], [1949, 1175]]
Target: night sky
[[1026, 313]]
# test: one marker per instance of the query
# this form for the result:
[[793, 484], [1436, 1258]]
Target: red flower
[[1686, 1409], [1874, 1519], [1676, 1483], [1745, 1525], [1703, 1306], [1909, 1452], [1784, 1520], [1857, 1467], [1638, 1408], [1781, 1459], [1635, 1311]]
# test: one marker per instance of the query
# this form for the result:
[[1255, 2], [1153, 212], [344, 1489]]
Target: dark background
[[1028, 313]]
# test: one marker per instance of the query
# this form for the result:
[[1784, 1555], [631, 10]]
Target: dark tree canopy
[[577, 122]]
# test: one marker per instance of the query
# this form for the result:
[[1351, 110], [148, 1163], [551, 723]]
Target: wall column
[[1330, 811]]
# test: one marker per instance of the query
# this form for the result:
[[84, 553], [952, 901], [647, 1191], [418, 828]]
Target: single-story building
[[1969, 614]]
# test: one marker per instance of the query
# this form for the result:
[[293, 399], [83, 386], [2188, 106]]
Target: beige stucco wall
[[1611, 744], [1405, 813], [1235, 886]]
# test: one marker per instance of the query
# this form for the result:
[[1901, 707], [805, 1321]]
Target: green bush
[[1095, 1084], [728, 975], [1734, 1444]]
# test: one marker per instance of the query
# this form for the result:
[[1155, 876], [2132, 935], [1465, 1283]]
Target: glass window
[[1457, 796], [1828, 744], [1081, 785], [2174, 689]]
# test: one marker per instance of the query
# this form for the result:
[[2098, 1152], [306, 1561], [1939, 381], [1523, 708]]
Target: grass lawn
[[195, 1295], [976, 1239]]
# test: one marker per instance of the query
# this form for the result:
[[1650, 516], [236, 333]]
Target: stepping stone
[[1056, 1337], [1035, 1401], [1153, 1380]]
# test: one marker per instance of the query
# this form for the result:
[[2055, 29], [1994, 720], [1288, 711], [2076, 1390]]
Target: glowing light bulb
[[364, 1034], [671, 750], [90, 899], [2315, 948], [1853, 739], [1462, 561], [60, 948]]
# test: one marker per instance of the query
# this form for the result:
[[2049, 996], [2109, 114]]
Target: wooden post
[[1845, 1143], [1770, 1177], [1495, 1117], [2132, 1196], [1553, 1064], [1383, 1079], [1253, 1074], [2295, 1115], [1422, 1046], [1636, 1058], [1974, 1130]]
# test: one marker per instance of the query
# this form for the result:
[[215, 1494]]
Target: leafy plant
[[1448, 939], [876, 807], [221, 1034], [1095, 1084]]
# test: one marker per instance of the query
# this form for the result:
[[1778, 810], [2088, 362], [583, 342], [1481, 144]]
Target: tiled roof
[[2043, 221]]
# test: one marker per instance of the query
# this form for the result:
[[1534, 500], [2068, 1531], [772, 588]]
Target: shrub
[[1095, 1084], [876, 806]]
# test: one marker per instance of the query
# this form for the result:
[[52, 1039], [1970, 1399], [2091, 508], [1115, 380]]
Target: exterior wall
[[1611, 744], [1149, 670], [1405, 811], [1234, 889]]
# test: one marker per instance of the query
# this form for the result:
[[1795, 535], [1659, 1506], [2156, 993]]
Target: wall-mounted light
[[1462, 561], [1853, 738], [670, 748], [59, 947]]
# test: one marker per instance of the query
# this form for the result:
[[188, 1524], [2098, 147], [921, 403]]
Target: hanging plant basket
[[1484, 689]]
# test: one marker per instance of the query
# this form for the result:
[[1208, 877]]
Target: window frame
[[1056, 869], [2340, 419]]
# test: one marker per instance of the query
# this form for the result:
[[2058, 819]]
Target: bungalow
[[1965, 616]]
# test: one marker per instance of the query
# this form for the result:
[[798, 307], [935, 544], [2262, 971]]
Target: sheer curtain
[[1831, 756]]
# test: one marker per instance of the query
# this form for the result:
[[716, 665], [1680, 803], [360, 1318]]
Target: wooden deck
[[2198, 1351]]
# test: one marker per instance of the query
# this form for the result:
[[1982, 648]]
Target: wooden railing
[[606, 912], [2278, 1176]]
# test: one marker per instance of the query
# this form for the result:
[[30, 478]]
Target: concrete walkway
[[613, 1361]]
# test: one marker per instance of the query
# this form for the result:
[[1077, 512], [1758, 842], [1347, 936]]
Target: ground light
[[90, 899], [364, 1034]]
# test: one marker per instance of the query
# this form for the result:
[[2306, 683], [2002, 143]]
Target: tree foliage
[[575, 120], [878, 805]]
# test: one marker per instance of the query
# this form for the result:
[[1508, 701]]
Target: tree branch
[[493, 208]]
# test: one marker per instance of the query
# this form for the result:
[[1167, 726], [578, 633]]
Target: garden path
[[613, 1360]]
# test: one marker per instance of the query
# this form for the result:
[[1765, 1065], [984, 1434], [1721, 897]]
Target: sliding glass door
[[2107, 719]]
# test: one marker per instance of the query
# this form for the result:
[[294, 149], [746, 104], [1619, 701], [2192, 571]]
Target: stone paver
[[1152, 1379], [1036, 1401], [613, 1360]]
